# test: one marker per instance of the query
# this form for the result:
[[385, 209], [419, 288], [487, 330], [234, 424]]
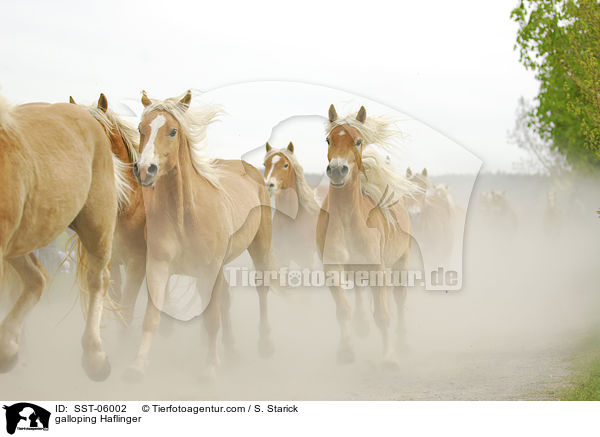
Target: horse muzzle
[[145, 173], [337, 173], [272, 186]]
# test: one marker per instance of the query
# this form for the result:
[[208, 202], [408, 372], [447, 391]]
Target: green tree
[[560, 41]]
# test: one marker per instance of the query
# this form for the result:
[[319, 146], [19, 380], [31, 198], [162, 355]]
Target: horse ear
[[291, 147], [408, 172], [362, 114], [424, 172], [332, 114], [102, 103], [72, 100], [145, 100], [269, 148], [187, 99]]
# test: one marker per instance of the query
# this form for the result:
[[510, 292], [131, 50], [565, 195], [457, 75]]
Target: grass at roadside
[[585, 384]]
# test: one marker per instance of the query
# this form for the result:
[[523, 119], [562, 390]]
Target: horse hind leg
[[212, 322], [95, 228], [33, 277], [114, 290], [382, 320], [261, 253], [345, 354], [228, 338], [134, 276], [399, 292], [359, 320]]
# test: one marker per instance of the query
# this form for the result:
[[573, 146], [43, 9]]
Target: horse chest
[[350, 241]]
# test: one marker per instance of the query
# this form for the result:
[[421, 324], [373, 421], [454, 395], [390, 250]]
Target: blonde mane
[[306, 195], [379, 180], [109, 120], [194, 122], [7, 123]]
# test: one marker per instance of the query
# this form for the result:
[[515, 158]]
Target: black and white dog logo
[[26, 416]]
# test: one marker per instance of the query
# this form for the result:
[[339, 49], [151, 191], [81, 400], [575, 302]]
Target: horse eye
[[358, 142], [286, 166], [327, 139], [173, 132]]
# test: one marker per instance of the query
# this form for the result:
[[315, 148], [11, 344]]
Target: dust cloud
[[530, 300]]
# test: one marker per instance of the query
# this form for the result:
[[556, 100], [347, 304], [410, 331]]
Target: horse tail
[[81, 267], [122, 185], [81, 274]]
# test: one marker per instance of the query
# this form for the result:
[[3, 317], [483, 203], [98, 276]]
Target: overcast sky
[[449, 66]]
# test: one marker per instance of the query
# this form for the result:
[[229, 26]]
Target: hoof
[[133, 374], [361, 326], [94, 371], [345, 356], [266, 348], [7, 363]]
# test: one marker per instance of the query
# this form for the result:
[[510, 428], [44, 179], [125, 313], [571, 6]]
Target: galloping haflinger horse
[[129, 245], [200, 214], [39, 200], [434, 216], [363, 223], [296, 210]]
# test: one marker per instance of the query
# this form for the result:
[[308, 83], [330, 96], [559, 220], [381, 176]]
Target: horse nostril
[[345, 170], [152, 169], [329, 170], [271, 185], [136, 169]]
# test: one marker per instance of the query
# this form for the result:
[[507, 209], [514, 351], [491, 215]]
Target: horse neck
[[287, 198], [119, 149], [174, 190], [344, 202]]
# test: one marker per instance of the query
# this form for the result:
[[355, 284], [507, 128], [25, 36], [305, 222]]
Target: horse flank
[[194, 122], [306, 195]]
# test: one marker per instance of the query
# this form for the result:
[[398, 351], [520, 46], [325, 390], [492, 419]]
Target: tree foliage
[[560, 41]]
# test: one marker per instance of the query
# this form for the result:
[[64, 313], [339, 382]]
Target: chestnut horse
[[296, 209], [57, 171], [363, 224], [203, 214], [129, 245]]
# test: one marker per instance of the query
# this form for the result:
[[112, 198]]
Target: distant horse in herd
[[151, 202]]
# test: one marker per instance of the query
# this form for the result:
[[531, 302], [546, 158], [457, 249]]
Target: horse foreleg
[[33, 278], [399, 292], [265, 343], [135, 272], [114, 291], [228, 340], [359, 320], [345, 352], [400, 298], [382, 320], [157, 278], [212, 323]]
